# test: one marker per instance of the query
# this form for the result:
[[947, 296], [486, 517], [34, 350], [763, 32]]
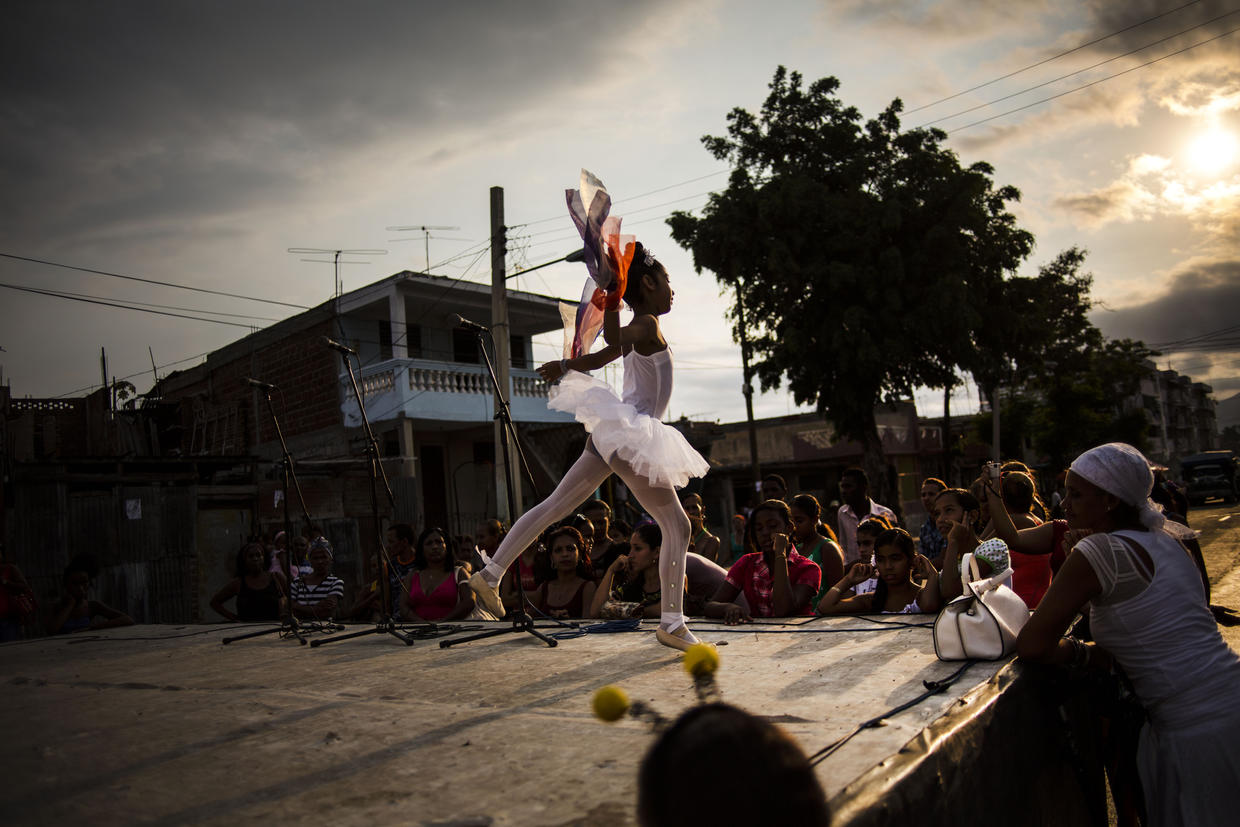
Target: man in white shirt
[[855, 492]]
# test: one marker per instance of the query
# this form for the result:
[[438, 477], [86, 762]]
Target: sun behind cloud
[[1213, 151]]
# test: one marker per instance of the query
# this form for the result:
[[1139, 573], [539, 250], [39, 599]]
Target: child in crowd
[[75, 611], [564, 571], [261, 593], [775, 782], [896, 564], [317, 594], [868, 532], [958, 514], [814, 541], [630, 587], [775, 579]]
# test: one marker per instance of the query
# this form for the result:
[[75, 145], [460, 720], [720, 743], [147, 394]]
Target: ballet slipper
[[486, 594], [680, 639]]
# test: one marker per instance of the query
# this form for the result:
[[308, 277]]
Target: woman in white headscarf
[[1148, 613]]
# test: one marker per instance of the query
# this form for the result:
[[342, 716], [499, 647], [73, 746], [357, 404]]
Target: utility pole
[[503, 360]]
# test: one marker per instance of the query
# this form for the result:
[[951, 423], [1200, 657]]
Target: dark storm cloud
[[1202, 297], [120, 112]]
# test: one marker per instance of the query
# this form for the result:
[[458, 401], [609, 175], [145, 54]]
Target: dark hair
[[964, 499], [494, 526], [934, 481], [650, 533], [874, 525], [239, 565], [633, 291], [713, 740], [858, 475], [1016, 489], [778, 506], [89, 566], [403, 531], [597, 505], [449, 558], [808, 505], [902, 540], [579, 521], [542, 560], [776, 478]]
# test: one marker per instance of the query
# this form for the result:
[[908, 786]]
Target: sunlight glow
[[1213, 151]]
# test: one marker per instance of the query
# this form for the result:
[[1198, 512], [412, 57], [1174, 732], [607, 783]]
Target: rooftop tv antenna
[[337, 285], [425, 230]]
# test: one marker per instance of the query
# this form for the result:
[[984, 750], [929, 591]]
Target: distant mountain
[[1228, 411]]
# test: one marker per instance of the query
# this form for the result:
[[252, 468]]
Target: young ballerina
[[626, 439]]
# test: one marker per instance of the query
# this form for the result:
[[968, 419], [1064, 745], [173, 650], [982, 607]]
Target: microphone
[[465, 324], [334, 345], [267, 386]]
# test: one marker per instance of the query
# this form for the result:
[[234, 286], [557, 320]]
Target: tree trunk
[[883, 489]]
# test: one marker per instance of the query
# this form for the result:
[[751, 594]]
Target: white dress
[[1182, 670], [630, 428]]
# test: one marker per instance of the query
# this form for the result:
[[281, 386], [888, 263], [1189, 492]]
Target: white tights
[[586, 475]]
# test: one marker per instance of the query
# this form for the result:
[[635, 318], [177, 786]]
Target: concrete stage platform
[[164, 725]]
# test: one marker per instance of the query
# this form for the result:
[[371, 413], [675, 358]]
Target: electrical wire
[[1094, 83], [151, 281], [1076, 72], [1051, 58], [73, 297]]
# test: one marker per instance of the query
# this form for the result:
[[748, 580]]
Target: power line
[[72, 297], [1199, 337], [1093, 83], [135, 375], [635, 197], [1076, 72], [151, 281], [1052, 58], [66, 294]]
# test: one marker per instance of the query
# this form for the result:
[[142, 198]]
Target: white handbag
[[981, 624]]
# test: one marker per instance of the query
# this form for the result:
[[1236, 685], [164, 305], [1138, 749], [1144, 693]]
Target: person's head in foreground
[[678, 781]]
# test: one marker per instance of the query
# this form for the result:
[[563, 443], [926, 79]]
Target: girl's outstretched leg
[[665, 507], [586, 475]]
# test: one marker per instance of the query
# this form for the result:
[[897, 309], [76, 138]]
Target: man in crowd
[[855, 493]]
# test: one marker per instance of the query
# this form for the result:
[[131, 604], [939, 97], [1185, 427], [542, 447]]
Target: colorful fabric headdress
[[607, 256]]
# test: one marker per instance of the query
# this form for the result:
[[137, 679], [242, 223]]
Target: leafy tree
[[860, 255], [1085, 401]]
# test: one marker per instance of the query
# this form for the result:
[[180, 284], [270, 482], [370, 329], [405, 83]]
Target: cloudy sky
[[193, 143]]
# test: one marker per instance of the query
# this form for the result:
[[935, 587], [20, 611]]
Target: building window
[[385, 339], [516, 349], [465, 347], [413, 340]]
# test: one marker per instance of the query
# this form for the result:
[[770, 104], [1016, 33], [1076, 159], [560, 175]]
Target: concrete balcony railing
[[423, 389]]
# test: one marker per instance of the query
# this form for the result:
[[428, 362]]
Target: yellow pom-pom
[[610, 703], [701, 659]]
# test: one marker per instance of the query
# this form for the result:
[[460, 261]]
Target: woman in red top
[[436, 590], [567, 589]]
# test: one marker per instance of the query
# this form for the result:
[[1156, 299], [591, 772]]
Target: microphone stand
[[387, 625], [289, 622], [521, 620]]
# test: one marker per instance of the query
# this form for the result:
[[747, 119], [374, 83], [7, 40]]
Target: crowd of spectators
[[788, 556]]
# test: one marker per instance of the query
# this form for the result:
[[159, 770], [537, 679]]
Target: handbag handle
[[969, 573]]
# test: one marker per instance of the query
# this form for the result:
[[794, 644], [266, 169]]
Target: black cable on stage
[[932, 688]]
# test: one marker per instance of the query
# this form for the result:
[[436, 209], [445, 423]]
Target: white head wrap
[[1124, 472]]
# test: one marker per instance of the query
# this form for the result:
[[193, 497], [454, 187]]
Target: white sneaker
[[487, 595]]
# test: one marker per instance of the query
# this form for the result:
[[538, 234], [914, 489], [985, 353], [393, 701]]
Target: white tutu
[[656, 451]]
